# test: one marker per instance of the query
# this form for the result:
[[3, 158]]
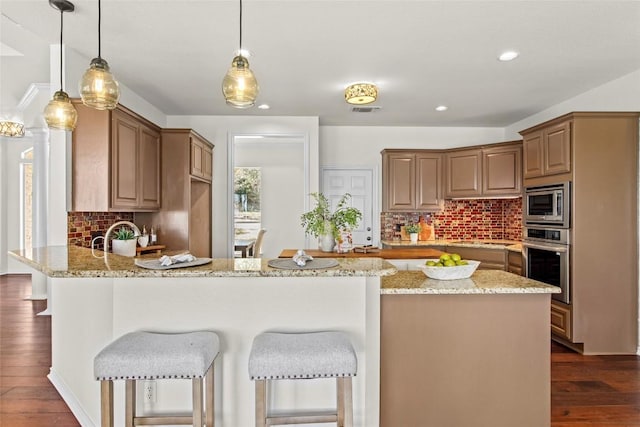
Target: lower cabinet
[[490, 259], [561, 320], [514, 263]]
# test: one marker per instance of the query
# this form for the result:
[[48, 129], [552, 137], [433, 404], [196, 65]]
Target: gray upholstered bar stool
[[150, 356], [277, 356]]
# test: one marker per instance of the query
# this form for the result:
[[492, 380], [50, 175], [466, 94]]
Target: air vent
[[369, 109]]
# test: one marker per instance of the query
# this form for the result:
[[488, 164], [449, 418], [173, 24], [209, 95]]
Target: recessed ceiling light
[[509, 55], [264, 106], [441, 108]]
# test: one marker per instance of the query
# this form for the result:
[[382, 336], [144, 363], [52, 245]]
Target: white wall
[[219, 130]]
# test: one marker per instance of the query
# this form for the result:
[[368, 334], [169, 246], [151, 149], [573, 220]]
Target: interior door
[[359, 183]]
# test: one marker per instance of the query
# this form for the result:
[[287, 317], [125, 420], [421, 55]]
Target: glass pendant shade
[[98, 88], [239, 86], [60, 112], [11, 129]]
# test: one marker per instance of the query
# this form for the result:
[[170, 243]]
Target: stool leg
[[209, 393], [106, 403], [261, 403], [197, 402], [340, 402], [130, 402], [348, 402]]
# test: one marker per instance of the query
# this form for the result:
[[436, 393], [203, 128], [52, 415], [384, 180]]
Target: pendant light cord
[[99, 19], [239, 53], [61, 27]]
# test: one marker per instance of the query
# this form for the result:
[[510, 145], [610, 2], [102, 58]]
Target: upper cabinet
[[412, 180], [547, 150], [201, 157], [115, 161], [488, 171]]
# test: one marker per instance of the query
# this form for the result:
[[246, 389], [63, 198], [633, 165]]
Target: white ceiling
[[420, 53]]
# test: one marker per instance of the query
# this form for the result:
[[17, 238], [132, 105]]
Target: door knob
[[369, 238], [368, 228]]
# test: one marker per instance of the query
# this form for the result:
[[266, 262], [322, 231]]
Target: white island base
[[89, 313]]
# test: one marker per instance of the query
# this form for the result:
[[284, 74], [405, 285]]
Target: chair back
[[257, 248]]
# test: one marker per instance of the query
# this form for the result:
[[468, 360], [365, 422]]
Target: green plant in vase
[[322, 223], [413, 230], [124, 242]]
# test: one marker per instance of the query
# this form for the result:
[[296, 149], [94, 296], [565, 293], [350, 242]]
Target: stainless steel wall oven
[[547, 256]]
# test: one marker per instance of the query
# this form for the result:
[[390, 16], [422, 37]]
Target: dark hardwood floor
[[601, 391], [27, 398]]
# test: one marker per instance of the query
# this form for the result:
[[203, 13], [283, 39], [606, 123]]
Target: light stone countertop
[[511, 245], [75, 261], [480, 282]]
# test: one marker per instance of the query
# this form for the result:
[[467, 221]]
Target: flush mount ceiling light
[[239, 86], [60, 113], [11, 129], [98, 88], [509, 55], [361, 93], [442, 108]]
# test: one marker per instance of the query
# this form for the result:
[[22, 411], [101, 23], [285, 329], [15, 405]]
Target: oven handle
[[546, 247]]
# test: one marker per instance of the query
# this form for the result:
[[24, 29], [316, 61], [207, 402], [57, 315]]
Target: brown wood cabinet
[[488, 171], [490, 258], [514, 263], [184, 222], [411, 180], [115, 161], [602, 166], [547, 151], [561, 320], [201, 158]]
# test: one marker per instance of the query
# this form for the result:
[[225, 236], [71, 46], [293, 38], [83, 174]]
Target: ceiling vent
[[369, 109]]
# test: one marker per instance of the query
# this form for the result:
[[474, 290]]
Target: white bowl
[[450, 273]]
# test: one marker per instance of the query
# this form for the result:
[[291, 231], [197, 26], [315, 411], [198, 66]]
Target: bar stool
[[277, 356], [150, 356]]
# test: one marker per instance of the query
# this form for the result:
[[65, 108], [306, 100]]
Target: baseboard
[[70, 399]]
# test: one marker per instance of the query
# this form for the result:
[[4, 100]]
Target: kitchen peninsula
[[407, 341]]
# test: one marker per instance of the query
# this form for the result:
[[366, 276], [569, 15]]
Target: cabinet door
[[124, 161], [502, 171], [514, 261], [429, 181], [490, 259], [557, 149], [464, 173], [197, 148], [149, 172], [399, 181], [532, 150], [207, 163], [561, 320]]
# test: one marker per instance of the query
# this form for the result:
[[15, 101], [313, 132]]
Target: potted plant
[[413, 230], [320, 222], [124, 242]]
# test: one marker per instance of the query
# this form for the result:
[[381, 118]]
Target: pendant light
[[60, 112], [240, 87], [98, 88]]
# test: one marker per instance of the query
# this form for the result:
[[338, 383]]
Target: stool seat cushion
[[276, 355], [151, 355]]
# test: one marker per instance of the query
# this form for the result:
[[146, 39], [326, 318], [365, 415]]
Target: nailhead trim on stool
[[309, 355], [150, 355]]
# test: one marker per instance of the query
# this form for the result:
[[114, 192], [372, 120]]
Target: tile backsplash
[[464, 219], [82, 225]]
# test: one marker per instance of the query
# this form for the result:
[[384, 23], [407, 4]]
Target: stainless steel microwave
[[548, 205]]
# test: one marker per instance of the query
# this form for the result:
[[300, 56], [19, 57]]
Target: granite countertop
[[75, 261], [512, 245], [481, 282]]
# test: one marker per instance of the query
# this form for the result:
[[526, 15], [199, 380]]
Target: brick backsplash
[[82, 225], [464, 219]]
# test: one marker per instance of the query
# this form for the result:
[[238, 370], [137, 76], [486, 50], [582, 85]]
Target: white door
[[359, 183]]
